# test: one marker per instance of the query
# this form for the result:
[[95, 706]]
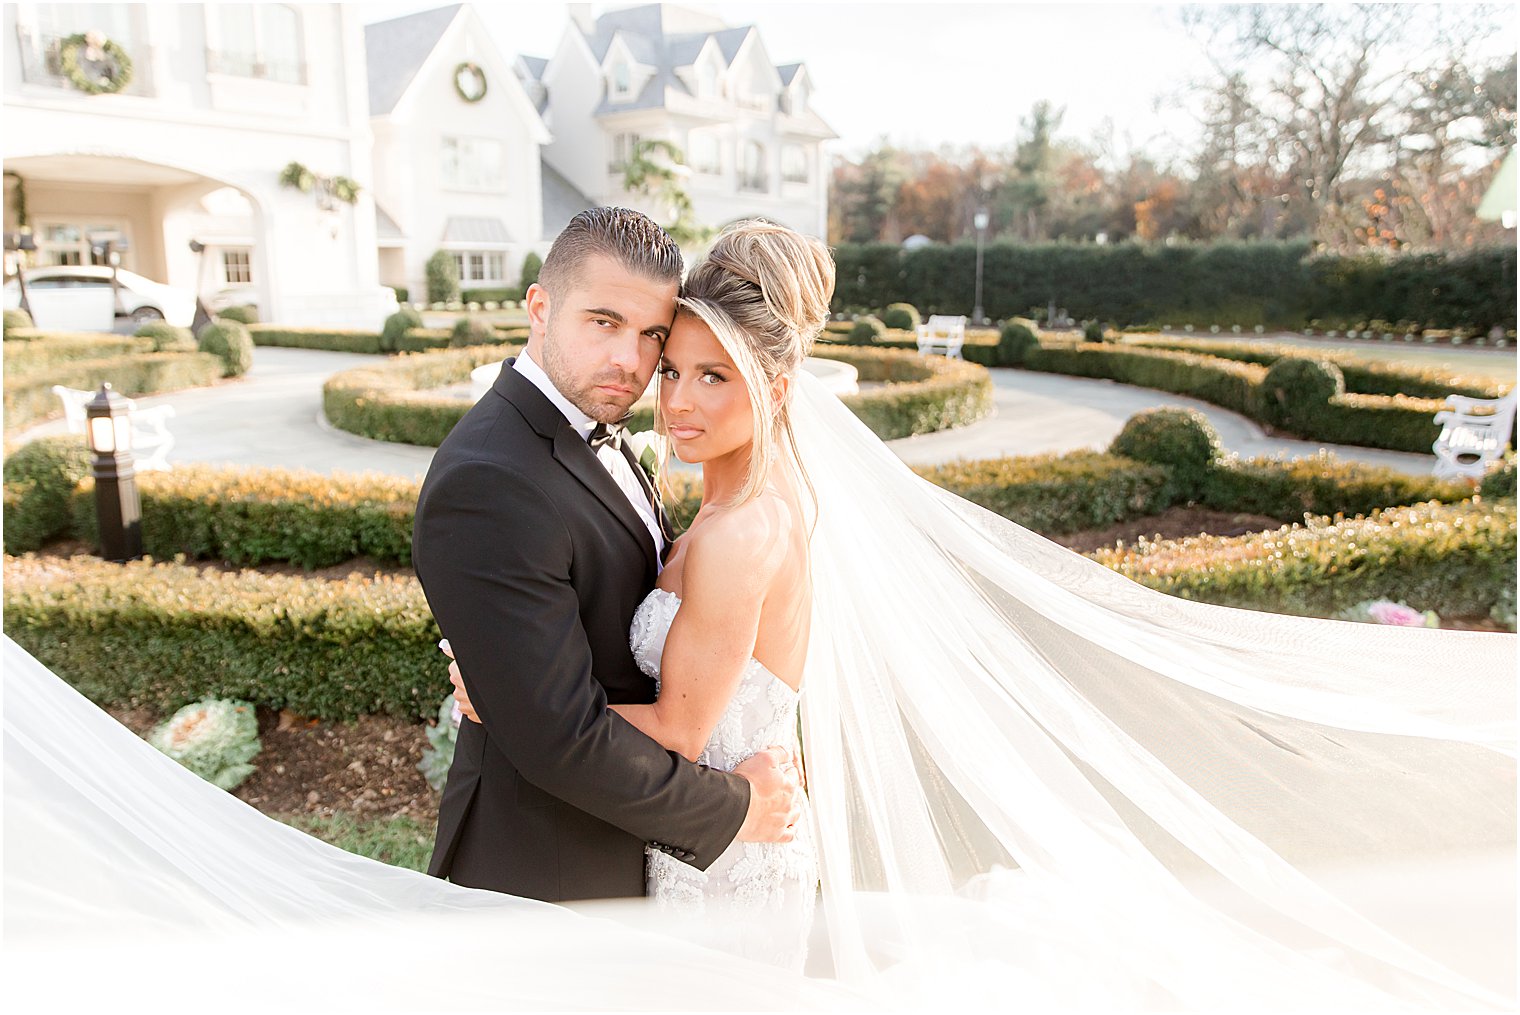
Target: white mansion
[[164, 126]]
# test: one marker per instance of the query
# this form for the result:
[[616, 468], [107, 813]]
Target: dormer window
[[622, 79]]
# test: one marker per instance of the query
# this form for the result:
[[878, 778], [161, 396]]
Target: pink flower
[[1396, 614]]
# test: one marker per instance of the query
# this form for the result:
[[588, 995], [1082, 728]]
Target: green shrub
[[1092, 331], [924, 394], [396, 326], [162, 635], [497, 295], [40, 478], [392, 401], [1451, 558], [216, 739], [29, 397], [1319, 484], [1183, 439], [532, 265], [51, 350], [261, 516], [17, 319], [901, 316], [866, 330], [438, 755], [1499, 481], [231, 343], [245, 314], [423, 340], [1015, 339], [442, 278], [1058, 493], [167, 337], [403, 294], [326, 339], [1296, 390], [469, 331]]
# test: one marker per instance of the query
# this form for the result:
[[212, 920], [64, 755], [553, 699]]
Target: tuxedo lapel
[[573, 453]]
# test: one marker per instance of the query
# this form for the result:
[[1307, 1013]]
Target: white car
[[233, 296], [68, 297]]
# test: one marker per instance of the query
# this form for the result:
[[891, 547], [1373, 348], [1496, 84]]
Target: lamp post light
[[980, 221], [202, 315], [108, 429], [21, 243]]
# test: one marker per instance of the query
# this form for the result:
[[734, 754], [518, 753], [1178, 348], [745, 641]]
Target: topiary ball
[[215, 739], [472, 331], [231, 342], [167, 337], [867, 330], [1183, 440], [1092, 331], [1015, 340], [17, 319], [1295, 390], [40, 479], [396, 326], [901, 316]]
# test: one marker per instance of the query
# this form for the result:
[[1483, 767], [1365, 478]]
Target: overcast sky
[[926, 74]]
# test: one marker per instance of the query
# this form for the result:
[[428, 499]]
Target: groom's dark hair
[[629, 237]]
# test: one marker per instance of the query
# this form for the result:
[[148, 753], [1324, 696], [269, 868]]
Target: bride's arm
[[727, 569]]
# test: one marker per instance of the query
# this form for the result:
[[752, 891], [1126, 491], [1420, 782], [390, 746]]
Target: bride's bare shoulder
[[749, 540]]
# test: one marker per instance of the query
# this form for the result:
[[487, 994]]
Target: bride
[[1032, 781]]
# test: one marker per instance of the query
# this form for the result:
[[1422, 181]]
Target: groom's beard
[[583, 394]]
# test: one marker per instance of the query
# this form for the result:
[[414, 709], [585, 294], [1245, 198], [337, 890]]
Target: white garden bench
[[151, 439], [1470, 440], [942, 333]]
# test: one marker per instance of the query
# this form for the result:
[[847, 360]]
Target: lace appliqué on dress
[[778, 880]]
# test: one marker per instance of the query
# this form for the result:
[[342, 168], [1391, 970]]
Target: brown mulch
[[367, 767]]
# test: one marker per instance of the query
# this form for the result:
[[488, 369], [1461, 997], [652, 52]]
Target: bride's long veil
[[1179, 804]]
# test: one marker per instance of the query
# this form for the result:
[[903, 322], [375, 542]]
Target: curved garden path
[[273, 417]]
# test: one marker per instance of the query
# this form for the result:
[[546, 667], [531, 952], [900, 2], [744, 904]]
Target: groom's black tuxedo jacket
[[533, 562]]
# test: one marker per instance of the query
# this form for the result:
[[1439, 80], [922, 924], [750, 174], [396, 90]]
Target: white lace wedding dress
[[757, 897]]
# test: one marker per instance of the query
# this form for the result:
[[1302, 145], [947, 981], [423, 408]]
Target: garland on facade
[[95, 49], [327, 188]]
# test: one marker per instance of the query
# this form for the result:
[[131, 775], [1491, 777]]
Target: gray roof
[[535, 66], [469, 229], [395, 50], [562, 202], [788, 71]]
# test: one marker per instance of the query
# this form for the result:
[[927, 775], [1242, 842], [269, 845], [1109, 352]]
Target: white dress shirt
[[613, 460]]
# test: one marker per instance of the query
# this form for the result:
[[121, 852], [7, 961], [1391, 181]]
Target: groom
[[535, 540]]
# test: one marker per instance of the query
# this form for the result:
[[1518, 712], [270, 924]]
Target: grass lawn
[[398, 841]]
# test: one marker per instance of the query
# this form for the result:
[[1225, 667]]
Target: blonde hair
[[763, 290]]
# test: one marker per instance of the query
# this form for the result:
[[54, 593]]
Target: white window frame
[[625, 90], [807, 166], [621, 146], [214, 44], [756, 185], [699, 166], [476, 264], [231, 255], [80, 248], [465, 145]]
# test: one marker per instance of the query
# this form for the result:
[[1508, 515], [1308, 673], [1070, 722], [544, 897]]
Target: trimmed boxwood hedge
[[1394, 422], [163, 635], [29, 397], [1452, 558], [1058, 493], [45, 350], [392, 400], [328, 339]]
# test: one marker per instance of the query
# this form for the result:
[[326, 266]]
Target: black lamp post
[[22, 243], [108, 430], [980, 221], [202, 315]]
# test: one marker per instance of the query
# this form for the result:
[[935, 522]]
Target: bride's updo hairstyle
[[764, 291]]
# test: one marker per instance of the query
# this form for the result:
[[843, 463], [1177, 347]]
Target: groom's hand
[[461, 699], [775, 796]]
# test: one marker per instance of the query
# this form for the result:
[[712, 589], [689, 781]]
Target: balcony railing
[[249, 65], [754, 181]]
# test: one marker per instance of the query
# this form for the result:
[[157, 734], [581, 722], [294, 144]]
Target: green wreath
[[480, 76], [108, 83]]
